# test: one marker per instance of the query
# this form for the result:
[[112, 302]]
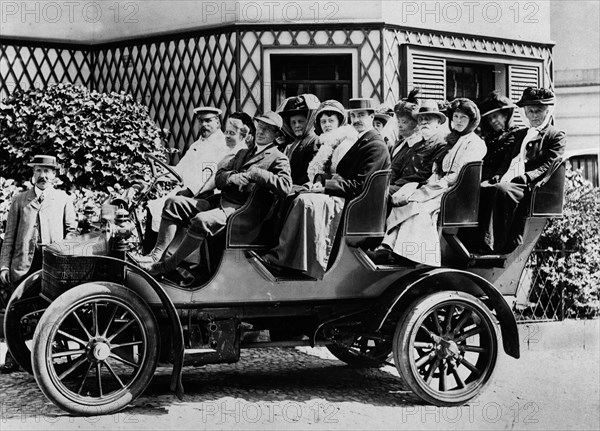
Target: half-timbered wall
[[225, 67]]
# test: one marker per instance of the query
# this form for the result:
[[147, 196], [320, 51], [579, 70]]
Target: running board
[[368, 263]]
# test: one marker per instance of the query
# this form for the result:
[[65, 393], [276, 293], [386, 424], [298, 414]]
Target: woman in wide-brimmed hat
[[412, 235], [299, 114]]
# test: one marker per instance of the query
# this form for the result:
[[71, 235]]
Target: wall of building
[[576, 31], [104, 20]]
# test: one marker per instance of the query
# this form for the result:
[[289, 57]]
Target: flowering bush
[[99, 139], [576, 268]]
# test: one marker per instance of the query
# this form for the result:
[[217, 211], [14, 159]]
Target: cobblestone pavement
[[553, 386]]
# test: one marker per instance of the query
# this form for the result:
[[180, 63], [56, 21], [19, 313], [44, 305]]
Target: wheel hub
[[447, 348], [99, 350]]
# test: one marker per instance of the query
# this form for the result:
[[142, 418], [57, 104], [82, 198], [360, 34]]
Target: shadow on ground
[[264, 375]]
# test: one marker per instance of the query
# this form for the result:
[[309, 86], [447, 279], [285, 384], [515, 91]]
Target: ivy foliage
[[575, 268], [98, 138]]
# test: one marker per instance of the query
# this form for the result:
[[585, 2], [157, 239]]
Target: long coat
[[31, 222], [412, 228], [503, 206], [414, 164], [307, 238]]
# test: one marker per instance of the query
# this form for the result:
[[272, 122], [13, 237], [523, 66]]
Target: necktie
[[41, 197]]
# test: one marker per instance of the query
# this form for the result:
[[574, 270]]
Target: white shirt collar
[[413, 139], [39, 191]]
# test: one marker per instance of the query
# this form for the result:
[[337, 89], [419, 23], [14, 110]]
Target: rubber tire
[[12, 323], [346, 356], [53, 317], [402, 349]]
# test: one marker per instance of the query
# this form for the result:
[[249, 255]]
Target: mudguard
[[423, 282]]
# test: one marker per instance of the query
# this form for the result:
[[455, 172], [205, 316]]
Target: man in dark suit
[[263, 165], [367, 155], [536, 150]]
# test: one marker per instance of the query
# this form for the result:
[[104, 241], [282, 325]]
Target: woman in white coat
[[412, 234]]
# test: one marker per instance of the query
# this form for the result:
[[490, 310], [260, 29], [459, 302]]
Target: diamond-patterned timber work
[[224, 67], [24, 66], [367, 41], [172, 77]]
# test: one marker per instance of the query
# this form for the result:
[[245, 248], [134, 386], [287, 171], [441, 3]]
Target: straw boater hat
[[536, 96], [361, 104], [207, 110], [495, 102], [271, 118], [44, 160], [430, 107]]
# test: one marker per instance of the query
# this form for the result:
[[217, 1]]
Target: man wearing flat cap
[[199, 163], [263, 165], [38, 216]]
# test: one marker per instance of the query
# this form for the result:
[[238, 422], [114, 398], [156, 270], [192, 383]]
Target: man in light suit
[[263, 164], [37, 217]]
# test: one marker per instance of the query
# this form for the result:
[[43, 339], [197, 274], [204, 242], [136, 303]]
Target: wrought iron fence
[[539, 298]]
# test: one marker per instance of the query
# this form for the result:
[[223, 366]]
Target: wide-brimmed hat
[[430, 107], [495, 102], [330, 107], [536, 96], [361, 104], [271, 118], [207, 110], [295, 106], [44, 160]]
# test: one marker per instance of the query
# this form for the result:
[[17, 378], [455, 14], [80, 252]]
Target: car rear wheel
[[109, 337], [446, 347]]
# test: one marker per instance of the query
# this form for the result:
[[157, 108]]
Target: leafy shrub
[[576, 268], [98, 138]]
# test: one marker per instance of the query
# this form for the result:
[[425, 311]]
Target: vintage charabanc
[[92, 326]]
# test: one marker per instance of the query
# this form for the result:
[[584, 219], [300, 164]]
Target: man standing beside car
[[36, 217]]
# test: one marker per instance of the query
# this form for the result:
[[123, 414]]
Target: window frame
[[269, 52]]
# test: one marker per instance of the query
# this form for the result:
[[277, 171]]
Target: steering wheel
[[153, 159]]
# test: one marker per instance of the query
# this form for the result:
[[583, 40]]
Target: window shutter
[[429, 73], [519, 78]]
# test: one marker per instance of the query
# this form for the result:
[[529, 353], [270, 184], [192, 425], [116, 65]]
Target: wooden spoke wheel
[[95, 349], [446, 346]]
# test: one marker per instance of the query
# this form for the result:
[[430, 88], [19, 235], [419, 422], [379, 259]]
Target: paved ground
[[555, 385]]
